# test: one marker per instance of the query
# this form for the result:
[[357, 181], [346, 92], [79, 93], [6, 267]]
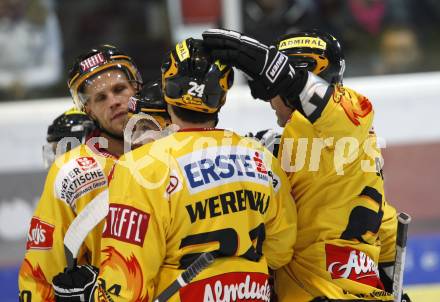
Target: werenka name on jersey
[[229, 202]]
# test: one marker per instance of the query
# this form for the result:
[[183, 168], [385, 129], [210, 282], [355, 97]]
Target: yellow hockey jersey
[[345, 225], [74, 179], [195, 191]]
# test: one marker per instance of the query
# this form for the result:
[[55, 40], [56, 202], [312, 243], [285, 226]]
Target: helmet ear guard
[[173, 89], [192, 80]]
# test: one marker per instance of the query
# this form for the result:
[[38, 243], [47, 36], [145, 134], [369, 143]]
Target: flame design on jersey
[[354, 113], [127, 267], [43, 288]]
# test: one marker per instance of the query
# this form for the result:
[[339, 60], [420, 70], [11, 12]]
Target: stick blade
[[92, 214]]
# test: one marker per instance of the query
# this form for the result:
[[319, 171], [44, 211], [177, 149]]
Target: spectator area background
[[370, 32]]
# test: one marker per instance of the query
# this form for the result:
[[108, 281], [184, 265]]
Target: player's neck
[[185, 124], [115, 146]]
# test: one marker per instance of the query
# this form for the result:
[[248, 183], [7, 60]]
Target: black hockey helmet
[[72, 123], [150, 101], [97, 60], [192, 80], [315, 50]]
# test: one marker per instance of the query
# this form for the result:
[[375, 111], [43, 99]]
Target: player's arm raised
[[322, 100]]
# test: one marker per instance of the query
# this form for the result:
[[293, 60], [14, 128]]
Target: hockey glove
[[268, 69], [76, 284], [268, 138]]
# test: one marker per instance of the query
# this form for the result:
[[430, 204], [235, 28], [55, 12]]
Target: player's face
[[281, 110], [108, 94]]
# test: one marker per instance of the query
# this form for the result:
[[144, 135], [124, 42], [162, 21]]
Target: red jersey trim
[[103, 152]]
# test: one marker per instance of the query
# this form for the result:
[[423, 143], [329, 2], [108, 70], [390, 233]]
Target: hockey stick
[[399, 265], [184, 278], [92, 214]]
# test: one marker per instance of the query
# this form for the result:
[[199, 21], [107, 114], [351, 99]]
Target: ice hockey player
[[101, 83], [199, 190], [346, 228], [73, 126]]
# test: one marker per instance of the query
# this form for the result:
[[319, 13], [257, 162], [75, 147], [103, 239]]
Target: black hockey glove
[[268, 69], [268, 138], [75, 284]]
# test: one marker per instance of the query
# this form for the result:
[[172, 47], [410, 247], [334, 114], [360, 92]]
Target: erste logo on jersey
[[40, 236], [350, 263], [77, 178], [126, 223], [228, 287], [211, 167]]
